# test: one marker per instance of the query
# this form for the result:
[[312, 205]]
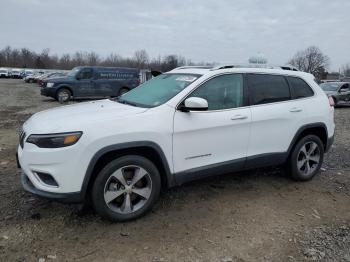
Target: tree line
[[311, 60], [26, 58]]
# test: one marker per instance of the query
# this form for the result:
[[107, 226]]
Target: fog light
[[46, 179]]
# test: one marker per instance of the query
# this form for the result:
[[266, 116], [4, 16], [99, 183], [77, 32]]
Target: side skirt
[[252, 162]]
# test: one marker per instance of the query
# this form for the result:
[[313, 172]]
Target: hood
[[75, 117], [56, 79]]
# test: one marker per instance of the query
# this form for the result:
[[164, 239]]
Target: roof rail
[[285, 67], [193, 67]]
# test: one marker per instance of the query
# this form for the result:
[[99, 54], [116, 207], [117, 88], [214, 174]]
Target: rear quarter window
[[299, 88]]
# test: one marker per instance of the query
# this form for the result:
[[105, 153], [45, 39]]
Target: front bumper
[[329, 144], [62, 197], [51, 92], [65, 166]]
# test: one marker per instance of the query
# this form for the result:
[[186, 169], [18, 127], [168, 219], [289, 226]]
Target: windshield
[[73, 72], [329, 86], [158, 90]]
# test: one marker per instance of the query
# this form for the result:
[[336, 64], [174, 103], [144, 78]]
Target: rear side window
[[300, 88], [265, 89]]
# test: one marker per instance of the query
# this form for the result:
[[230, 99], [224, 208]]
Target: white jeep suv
[[186, 124]]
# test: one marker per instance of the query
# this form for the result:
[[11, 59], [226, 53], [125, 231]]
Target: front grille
[[22, 136]]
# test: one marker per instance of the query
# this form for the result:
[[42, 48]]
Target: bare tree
[[92, 59], [65, 62], [311, 60], [346, 70], [141, 58]]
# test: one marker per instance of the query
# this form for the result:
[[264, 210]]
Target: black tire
[[63, 95], [101, 181], [123, 90], [296, 156]]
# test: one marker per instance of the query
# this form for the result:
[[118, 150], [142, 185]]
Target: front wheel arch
[[148, 149]]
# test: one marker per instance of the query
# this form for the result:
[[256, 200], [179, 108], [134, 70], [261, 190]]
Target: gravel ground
[[259, 215]]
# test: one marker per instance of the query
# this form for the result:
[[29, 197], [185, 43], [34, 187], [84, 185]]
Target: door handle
[[295, 110], [238, 117]]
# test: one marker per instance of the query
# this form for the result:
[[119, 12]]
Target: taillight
[[331, 101]]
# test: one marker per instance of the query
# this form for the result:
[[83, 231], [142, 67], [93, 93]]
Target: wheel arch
[[147, 149], [318, 129], [66, 87]]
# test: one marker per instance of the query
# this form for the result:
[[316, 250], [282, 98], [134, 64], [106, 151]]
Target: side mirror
[[194, 104], [344, 90]]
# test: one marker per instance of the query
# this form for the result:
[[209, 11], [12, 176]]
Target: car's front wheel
[[126, 188], [306, 158], [63, 95]]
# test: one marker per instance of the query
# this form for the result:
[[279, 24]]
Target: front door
[[218, 136], [85, 84]]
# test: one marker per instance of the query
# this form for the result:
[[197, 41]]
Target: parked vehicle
[[26, 73], [85, 82], [339, 91], [30, 78], [4, 73], [15, 73], [183, 125], [45, 77]]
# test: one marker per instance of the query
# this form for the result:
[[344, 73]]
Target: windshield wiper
[[125, 102]]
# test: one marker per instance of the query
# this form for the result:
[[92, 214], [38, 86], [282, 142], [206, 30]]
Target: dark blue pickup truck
[[91, 81]]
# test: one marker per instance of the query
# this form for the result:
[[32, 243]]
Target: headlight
[[50, 84], [54, 140]]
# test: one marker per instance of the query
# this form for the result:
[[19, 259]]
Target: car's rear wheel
[[126, 188], [123, 90], [63, 95], [306, 158]]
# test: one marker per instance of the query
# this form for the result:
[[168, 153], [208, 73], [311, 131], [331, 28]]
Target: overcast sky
[[201, 30]]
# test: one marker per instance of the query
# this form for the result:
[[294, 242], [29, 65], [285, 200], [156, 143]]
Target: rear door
[[85, 84], [275, 118]]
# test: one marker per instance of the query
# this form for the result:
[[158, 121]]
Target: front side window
[[300, 89], [344, 87], [158, 90], [222, 92], [265, 89], [85, 73]]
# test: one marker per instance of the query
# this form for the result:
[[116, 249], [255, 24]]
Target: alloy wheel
[[127, 189], [308, 158]]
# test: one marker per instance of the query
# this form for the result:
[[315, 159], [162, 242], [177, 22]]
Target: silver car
[[339, 91]]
